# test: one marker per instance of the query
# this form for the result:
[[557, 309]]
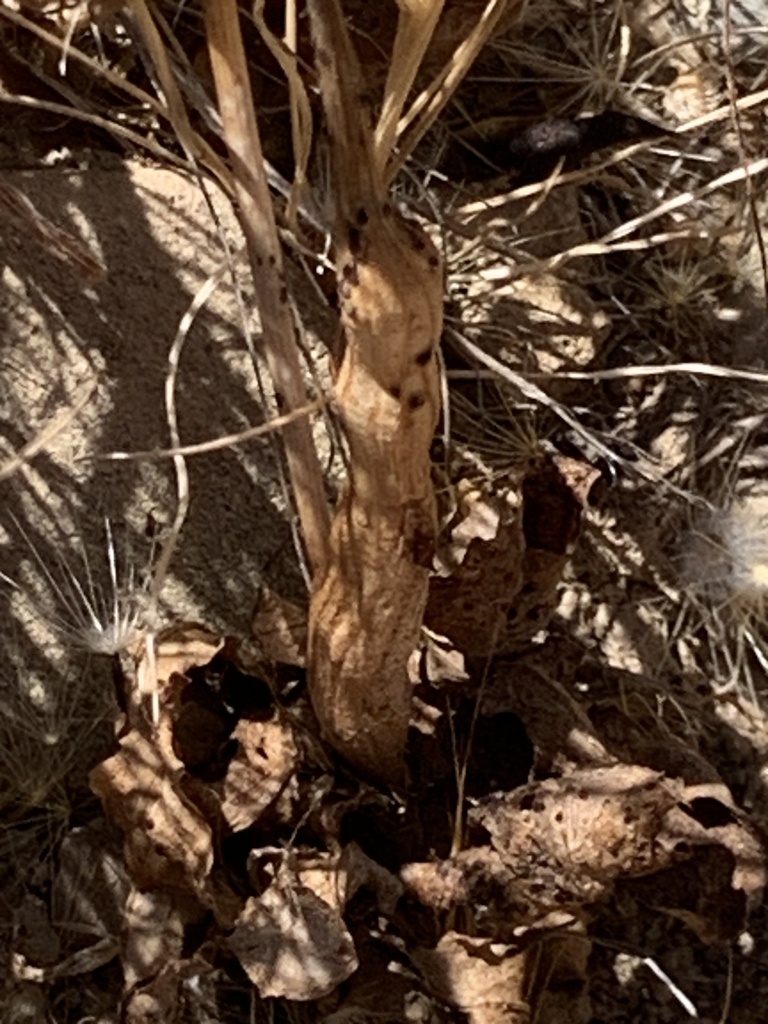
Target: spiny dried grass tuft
[[95, 605]]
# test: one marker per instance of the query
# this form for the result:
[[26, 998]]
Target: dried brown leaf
[[494, 982], [595, 822], [554, 496], [555, 845], [167, 840], [178, 648], [266, 759], [336, 878], [292, 944], [484, 980], [280, 628], [479, 572], [707, 815], [478, 517], [443, 663], [91, 884], [560, 844], [153, 935]]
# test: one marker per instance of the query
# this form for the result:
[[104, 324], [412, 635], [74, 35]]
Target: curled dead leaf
[[167, 840], [479, 572], [594, 823], [177, 649], [561, 844]]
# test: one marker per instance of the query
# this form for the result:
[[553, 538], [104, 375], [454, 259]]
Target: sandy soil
[[65, 340]]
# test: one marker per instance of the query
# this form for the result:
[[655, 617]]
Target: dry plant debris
[[507, 752]]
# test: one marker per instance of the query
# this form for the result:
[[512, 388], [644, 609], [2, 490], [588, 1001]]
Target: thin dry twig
[[612, 240], [531, 391], [696, 369], [115, 127], [49, 432], [96, 67], [218, 443], [63, 245]]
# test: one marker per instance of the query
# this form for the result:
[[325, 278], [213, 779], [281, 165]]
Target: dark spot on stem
[[423, 548], [283, 295], [423, 357], [362, 217], [355, 241], [394, 391], [416, 401], [434, 262], [349, 273]]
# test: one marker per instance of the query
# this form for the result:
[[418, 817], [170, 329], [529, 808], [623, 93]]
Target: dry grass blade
[[119, 130], [218, 443], [284, 53], [427, 106], [120, 82], [194, 145], [754, 99], [616, 240], [700, 369], [415, 24], [534, 393], [479, 207], [16, 208], [257, 218], [49, 432], [368, 603], [738, 174]]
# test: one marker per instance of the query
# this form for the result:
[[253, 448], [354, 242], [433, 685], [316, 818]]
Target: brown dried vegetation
[[487, 773]]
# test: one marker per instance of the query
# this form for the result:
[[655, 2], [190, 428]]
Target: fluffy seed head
[[727, 561]]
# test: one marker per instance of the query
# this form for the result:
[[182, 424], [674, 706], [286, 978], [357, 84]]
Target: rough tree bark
[[368, 601]]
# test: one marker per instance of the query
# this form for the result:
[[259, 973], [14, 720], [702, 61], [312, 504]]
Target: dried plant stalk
[[367, 606], [257, 218]]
